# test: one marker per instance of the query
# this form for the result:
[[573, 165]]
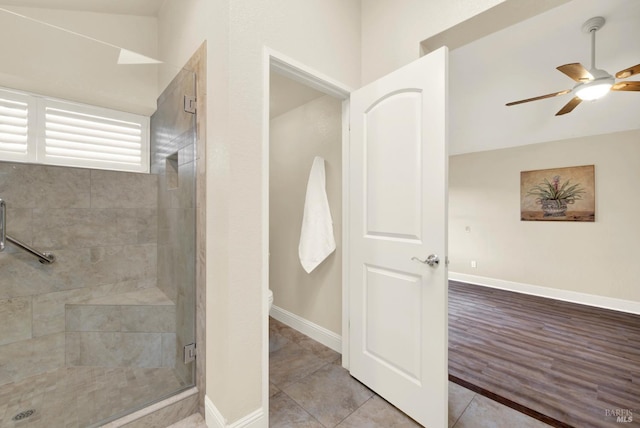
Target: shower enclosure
[[108, 327]]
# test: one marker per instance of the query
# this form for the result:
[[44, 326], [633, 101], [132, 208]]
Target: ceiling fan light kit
[[591, 84], [595, 89]]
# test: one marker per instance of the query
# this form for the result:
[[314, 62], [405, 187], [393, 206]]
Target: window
[[47, 131]]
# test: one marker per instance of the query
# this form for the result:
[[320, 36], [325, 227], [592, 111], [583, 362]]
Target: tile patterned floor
[[194, 421], [77, 397], [310, 389]]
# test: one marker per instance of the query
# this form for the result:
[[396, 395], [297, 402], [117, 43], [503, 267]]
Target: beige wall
[[593, 258], [323, 35], [46, 60], [392, 30], [296, 137], [350, 41]]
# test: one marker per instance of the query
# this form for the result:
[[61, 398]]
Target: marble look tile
[[284, 412], [39, 186], [72, 349], [49, 308], [15, 320], [330, 394], [185, 195], [193, 421], [120, 349], [459, 400], [319, 350], [280, 334], [150, 319], [19, 226], [169, 350], [76, 397], [273, 390], [168, 219], [148, 295], [187, 151], [486, 413], [93, 318], [378, 413], [164, 414], [166, 123], [185, 333], [276, 342], [146, 226], [113, 189], [276, 327], [167, 273], [291, 363], [72, 228], [126, 262], [19, 360], [23, 275]]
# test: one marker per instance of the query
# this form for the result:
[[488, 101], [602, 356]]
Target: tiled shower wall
[[102, 228]]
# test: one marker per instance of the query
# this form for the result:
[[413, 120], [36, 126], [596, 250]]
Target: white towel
[[316, 236]]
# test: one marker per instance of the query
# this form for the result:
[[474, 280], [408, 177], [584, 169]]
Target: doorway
[[307, 118], [305, 125]]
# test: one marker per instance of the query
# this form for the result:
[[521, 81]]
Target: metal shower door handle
[[431, 260]]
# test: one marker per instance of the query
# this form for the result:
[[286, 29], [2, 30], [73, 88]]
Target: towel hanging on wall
[[316, 236]]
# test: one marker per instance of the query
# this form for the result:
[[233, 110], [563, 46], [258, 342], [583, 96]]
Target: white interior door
[[398, 175]]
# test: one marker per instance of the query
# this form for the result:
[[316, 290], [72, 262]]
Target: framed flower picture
[[559, 194]]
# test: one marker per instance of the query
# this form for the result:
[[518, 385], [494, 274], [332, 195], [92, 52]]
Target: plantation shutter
[[80, 136], [44, 130], [15, 113]]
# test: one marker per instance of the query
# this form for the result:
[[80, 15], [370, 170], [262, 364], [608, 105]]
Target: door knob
[[431, 260]]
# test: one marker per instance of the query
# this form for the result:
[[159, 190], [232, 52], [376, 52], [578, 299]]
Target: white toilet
[[270, 298]]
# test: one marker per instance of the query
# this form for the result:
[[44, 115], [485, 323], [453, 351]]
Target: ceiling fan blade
[[626, 86], [628, 72], [568, 107], [541, 97], [576, 71]]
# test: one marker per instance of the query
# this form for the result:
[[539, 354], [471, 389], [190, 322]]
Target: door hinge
[[189, 353], [189, 104]]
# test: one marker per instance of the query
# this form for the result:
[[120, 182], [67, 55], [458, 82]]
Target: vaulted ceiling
[[520, 62], [128, 7], [514, 63]]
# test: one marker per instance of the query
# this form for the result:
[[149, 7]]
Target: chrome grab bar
[[45, 258], [3, 221]]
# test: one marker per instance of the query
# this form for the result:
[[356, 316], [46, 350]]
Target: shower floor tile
[[78, 397]]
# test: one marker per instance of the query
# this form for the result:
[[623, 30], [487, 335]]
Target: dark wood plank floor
[[576, 366]]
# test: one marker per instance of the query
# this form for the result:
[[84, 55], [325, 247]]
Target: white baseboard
[[214, 418], [314, 331], [552, 293], [212, 415]]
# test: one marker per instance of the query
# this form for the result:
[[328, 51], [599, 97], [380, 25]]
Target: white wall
[[44, 60], [322, 34], [592, 258], [296, 137]]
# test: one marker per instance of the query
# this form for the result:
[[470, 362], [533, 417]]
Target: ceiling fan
[[594, 83]]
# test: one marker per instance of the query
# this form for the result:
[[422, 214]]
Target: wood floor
[[566, 364]]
